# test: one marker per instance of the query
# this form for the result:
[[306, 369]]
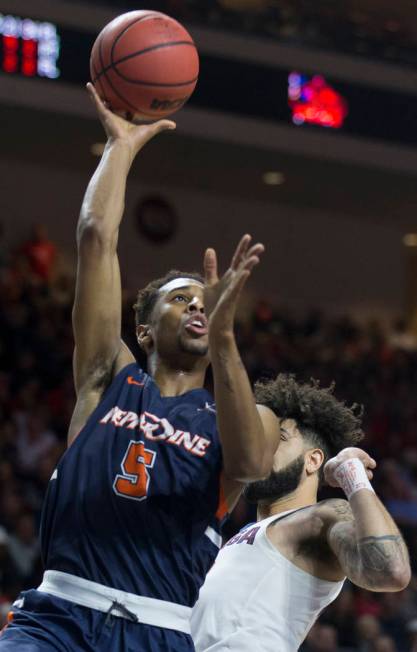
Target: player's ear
[[144, 337], [314, 460]]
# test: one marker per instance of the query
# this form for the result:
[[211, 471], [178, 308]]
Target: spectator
[[322, 638], [393, 618], [41, 253], [368, 630], [341, 614], [34, 440], [384, 644], [412, 634], [9, 573], [24, 546]]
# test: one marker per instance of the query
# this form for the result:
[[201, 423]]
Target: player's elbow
[[93, 235], [398, 578], [391, 580]]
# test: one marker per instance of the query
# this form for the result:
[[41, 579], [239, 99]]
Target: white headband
[[180, 283]]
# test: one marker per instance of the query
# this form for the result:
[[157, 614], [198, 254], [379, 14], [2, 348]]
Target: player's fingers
[[240, 250], [95, 98], [367, 460], [255, 250], [242, 280], [146, 133], [162, 125], [237, 286], [250, 263], [210, 267]]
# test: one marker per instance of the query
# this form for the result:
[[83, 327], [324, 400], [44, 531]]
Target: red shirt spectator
[[40, 252]]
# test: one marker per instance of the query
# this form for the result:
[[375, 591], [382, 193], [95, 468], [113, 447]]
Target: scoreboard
[[29, 47]]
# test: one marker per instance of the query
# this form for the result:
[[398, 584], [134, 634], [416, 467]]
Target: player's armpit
[[376, 563], [90, 391]]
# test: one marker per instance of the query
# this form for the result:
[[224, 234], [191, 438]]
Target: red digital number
[[29, 67], [134, 480], [10, 62]]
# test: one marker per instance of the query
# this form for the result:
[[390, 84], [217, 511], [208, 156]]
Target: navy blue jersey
[[132, 500]]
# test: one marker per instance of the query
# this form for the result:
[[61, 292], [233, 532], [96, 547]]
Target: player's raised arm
[[99, 351], [249, 434], [364, 537]]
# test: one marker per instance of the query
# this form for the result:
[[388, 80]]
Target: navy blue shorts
[[49, 624]]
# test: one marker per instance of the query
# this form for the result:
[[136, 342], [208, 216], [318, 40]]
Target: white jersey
[[256, 599]]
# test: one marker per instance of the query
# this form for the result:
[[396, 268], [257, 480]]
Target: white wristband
[[351, 476]]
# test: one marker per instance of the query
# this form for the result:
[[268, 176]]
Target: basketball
[[144, 64]]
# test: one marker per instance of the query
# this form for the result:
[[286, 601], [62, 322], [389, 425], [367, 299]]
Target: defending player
[[130, 522], [271, 581]]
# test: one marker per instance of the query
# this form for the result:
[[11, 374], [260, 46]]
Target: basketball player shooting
[[271, 581], [130, 523]]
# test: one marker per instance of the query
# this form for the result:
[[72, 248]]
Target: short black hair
[[321, 418], [146, 298]]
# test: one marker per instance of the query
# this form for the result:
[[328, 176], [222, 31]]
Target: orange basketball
[[144, 64]]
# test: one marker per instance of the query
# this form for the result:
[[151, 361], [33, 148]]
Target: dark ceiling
[[224, 169]]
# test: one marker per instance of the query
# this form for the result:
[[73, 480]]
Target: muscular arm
[[97, 307], [249, 433], [99, 352], [367, 543]]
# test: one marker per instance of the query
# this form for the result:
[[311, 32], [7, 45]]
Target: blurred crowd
[[355, 28], [371, 366]]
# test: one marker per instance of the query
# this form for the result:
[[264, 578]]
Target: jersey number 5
[[134, 480]]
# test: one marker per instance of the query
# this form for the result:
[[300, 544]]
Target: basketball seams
[[116, 91], [145, 51], [152, 49], [97, 78], [138, 53], [124, 30]]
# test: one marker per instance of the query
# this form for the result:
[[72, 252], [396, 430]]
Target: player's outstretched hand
[[346, 454], [221, 295], [117, 128]]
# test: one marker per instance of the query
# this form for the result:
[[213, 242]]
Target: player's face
[[288, 469], [179, 324]]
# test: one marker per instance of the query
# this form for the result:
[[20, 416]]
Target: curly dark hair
[[146, 298], [321, 418]]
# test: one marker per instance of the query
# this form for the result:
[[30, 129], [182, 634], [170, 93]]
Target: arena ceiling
[[377, 15], [53, 140]]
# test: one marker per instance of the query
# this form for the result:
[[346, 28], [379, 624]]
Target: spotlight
[[410, 240], [273, 178]]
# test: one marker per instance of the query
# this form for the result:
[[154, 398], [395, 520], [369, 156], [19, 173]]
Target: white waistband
[[148, 611]]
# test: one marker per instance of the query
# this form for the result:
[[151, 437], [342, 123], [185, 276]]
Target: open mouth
[[197, 326]]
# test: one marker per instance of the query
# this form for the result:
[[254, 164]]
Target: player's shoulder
[[322, 516], [334, 510]]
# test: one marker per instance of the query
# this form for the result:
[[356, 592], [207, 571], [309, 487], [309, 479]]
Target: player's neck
[[301, 497], [173, 381]]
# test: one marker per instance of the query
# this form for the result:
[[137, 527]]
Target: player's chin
[[198, 347]]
